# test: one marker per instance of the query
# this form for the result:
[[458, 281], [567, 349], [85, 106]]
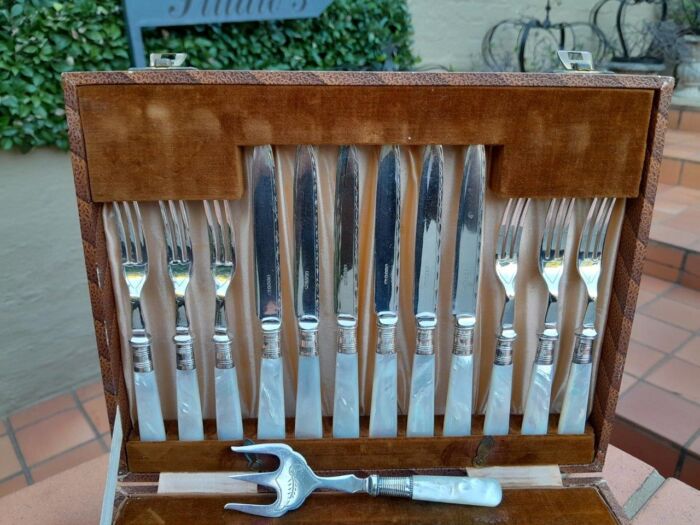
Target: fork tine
[[518, 232], [132, 233], [504, 229], [232, 240], [265, 479], [213, 247], [511, 231], [273, 449], [268, 511], [168, 230], [221, 238], [185, 219], [609, 205], [139, 232], [584, 241], [561, 228], [121, 232], [547, 235], [597, 227], [177, 232]]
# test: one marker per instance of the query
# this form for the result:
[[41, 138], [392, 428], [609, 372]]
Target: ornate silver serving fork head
[[551, 266], [294, 481], [507, 248], [176, 229], [222, 250], [589, 264], [134, 257]]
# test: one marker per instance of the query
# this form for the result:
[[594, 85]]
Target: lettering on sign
[[163, 13]]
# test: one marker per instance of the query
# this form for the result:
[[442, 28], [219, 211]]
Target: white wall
[[47, 343], [449, 32]]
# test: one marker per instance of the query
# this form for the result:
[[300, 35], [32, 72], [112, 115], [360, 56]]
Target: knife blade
[[383, 413], [458, 411], [421, 408], [308, 405], [346, 410], [266, 247]]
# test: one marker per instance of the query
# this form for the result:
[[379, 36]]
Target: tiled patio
[[52, 436]]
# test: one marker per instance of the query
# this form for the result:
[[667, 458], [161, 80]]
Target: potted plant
[[686, 14]]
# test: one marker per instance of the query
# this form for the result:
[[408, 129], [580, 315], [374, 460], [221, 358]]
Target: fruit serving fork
[[176, 229], [222, 249], [294, 481], [497, 418], [551, 265], [589, 264], [135, 268]]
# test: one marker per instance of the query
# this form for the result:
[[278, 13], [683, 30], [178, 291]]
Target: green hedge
[[41, 39]]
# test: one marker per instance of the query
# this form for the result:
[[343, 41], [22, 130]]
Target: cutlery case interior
[[188, 135]]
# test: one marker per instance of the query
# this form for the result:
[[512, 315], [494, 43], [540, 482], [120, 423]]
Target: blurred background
[[49, 360]]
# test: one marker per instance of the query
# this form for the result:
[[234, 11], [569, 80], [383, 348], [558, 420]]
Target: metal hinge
[[165, 61], [576, 61]]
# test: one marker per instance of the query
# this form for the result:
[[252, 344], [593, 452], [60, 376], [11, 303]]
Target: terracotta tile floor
[[659, 406], [52, 436], [677, 216]]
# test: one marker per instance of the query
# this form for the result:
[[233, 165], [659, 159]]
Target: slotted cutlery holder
[[189, 135]]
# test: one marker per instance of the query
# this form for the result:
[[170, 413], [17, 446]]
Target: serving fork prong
[[551, 267], [176, 230], [222, 250], [589, 265], [497, 417], [134, 259]]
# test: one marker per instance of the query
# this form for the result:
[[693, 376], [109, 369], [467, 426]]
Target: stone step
[[674, 241], [684, 117], [681, 162]]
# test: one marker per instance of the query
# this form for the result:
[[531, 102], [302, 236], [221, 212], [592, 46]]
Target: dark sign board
[[163, 13]]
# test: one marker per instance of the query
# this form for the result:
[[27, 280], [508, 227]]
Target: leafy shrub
[[41, 39]]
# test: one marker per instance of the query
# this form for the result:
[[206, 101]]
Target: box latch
[[576, 61]]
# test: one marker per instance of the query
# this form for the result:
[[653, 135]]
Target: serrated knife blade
[[383, 422], [421, 410], [308, 422], [346, 422], [458, 410], [271, 423]]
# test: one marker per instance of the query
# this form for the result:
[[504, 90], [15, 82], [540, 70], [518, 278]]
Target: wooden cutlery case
[[147, 135]]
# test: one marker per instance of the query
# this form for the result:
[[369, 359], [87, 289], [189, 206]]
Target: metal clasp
[[576, 61], [165, 61]]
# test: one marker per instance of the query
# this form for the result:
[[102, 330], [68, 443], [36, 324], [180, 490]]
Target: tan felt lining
[[153, 141]]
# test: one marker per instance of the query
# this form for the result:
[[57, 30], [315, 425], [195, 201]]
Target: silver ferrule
[[140, 343], [504, 348], [271, 344], [463, 343], [184, 352], [308, 341], [583, 346], [346, 338], [399, 486], [386, 333], [223, 349], [424, 340], [546, 346]]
